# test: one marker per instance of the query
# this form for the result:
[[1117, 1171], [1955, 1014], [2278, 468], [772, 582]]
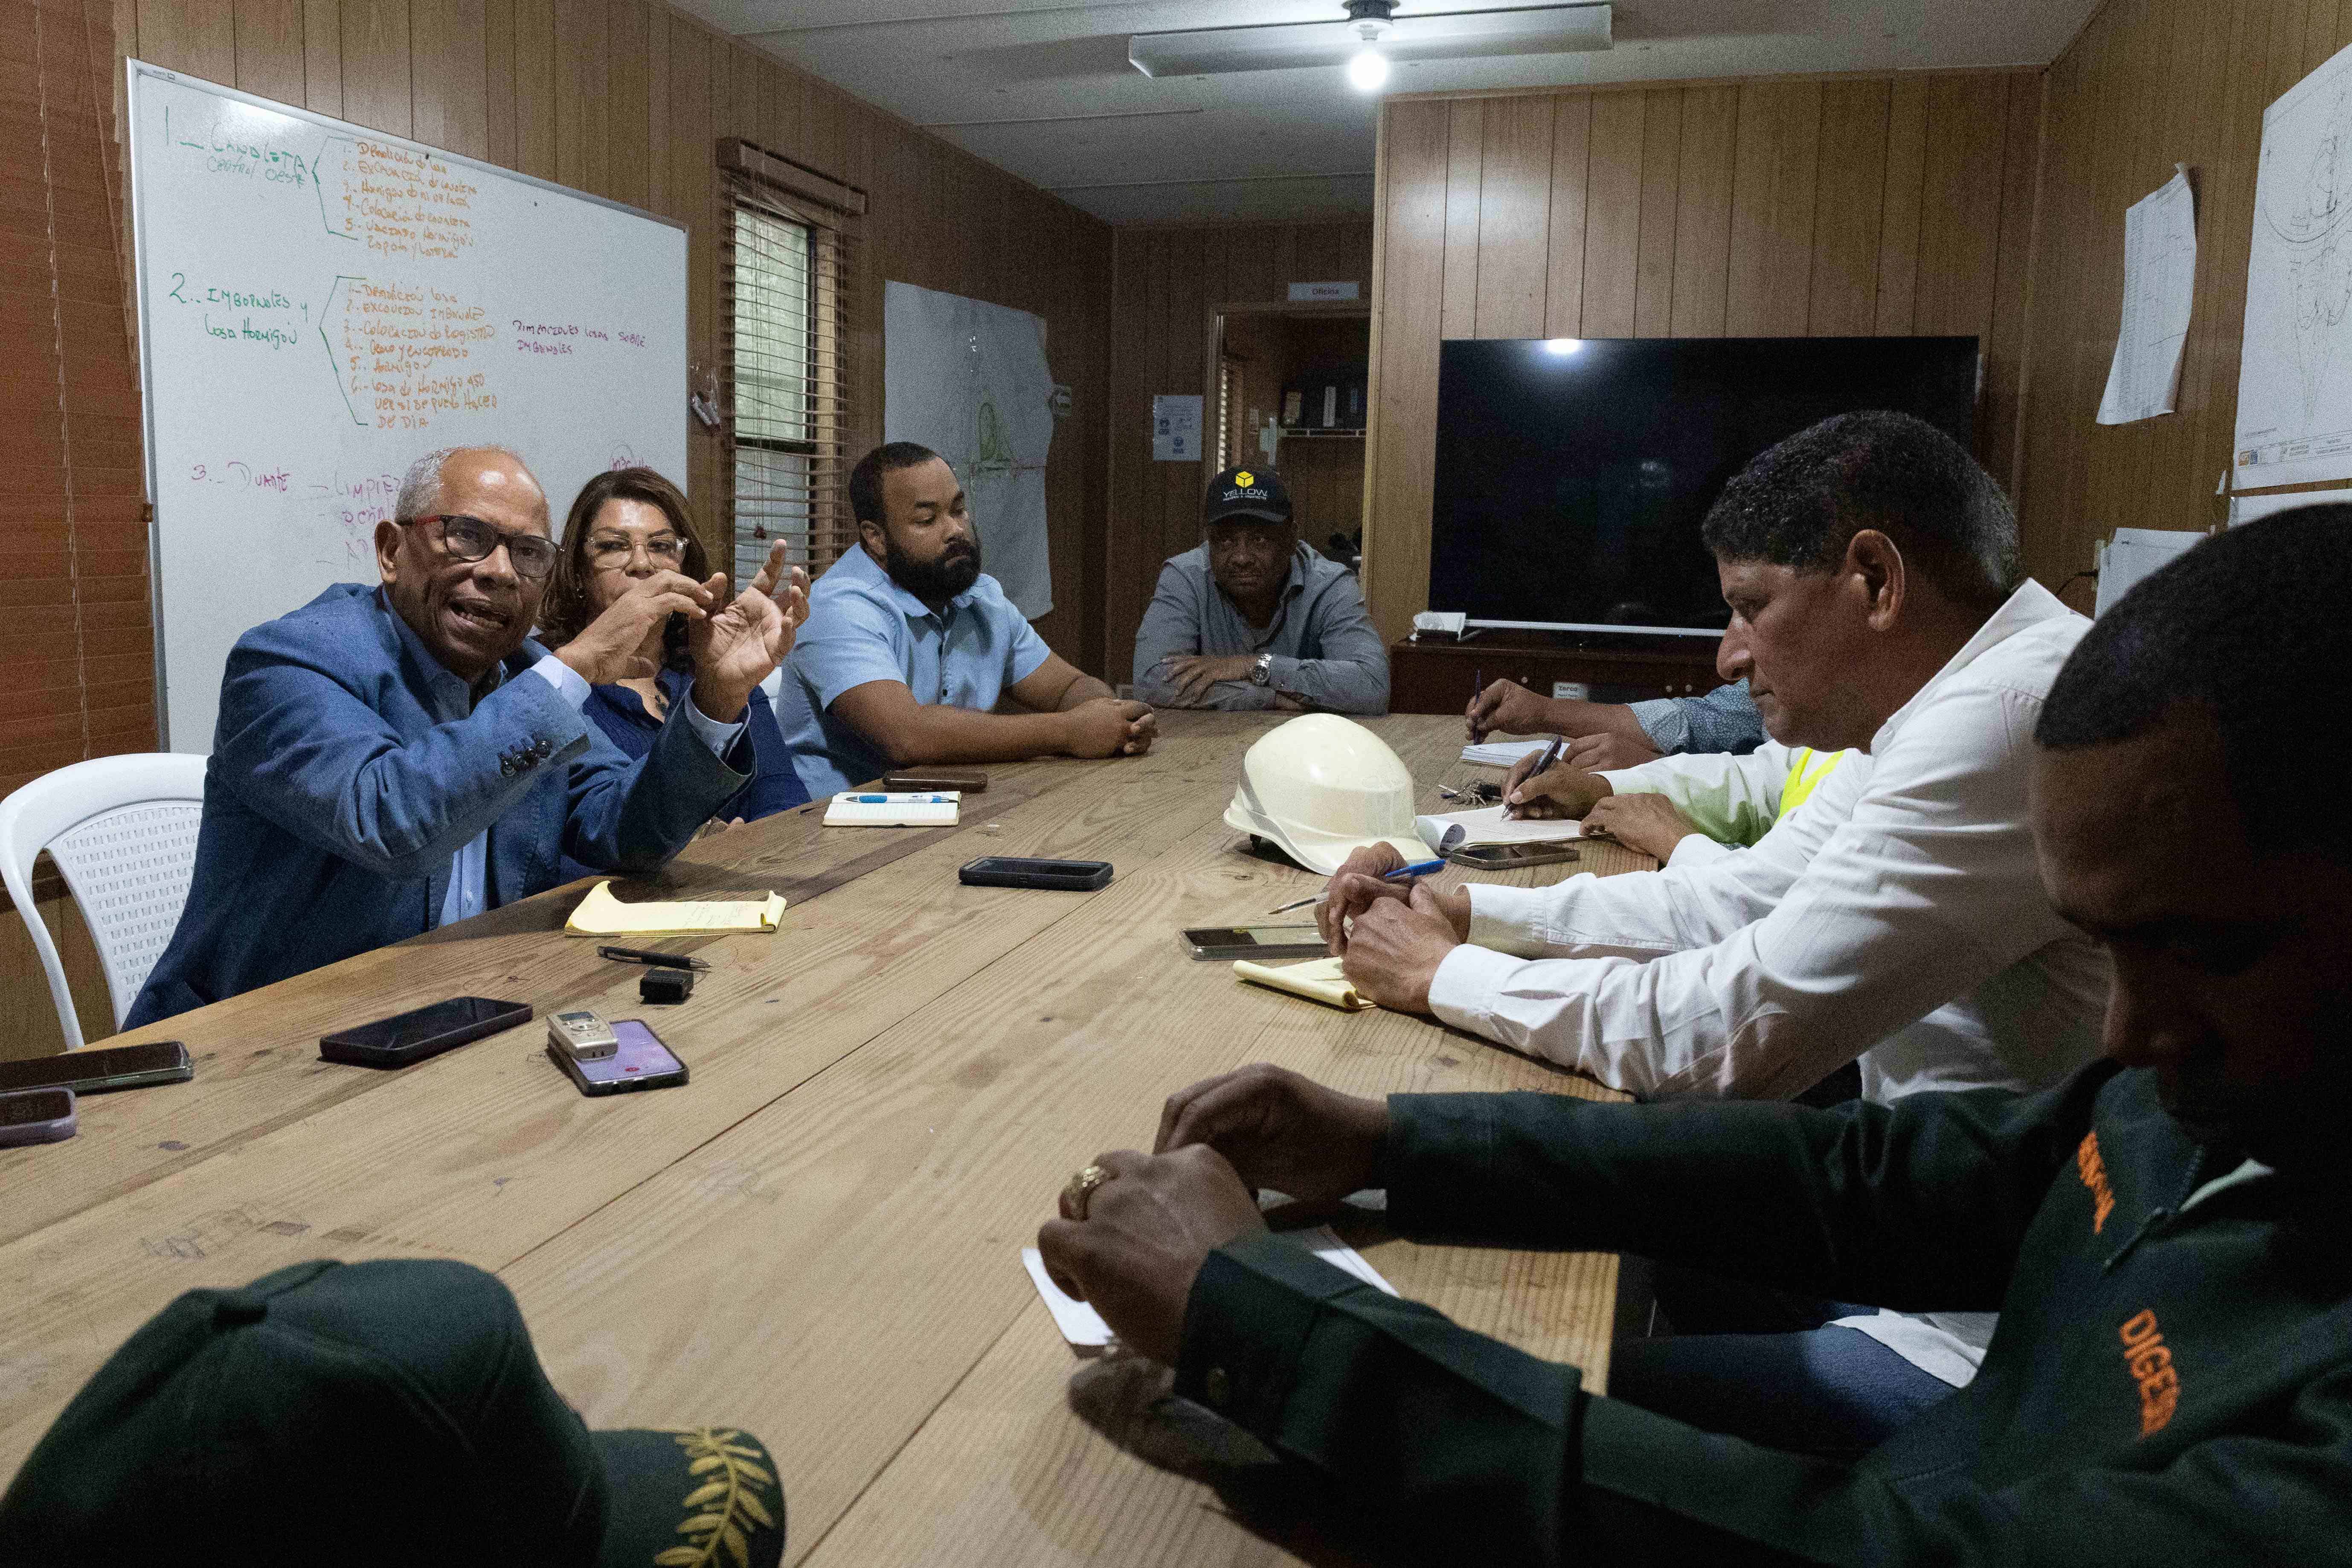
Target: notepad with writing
[[1466, 829], [1502, 753], [1317, 980], [866, 808], [602, 914]]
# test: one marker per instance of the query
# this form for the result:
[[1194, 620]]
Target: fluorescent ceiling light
[[1433, 35]]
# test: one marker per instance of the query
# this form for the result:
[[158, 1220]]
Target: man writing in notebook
[[910, 645], [396, 757]]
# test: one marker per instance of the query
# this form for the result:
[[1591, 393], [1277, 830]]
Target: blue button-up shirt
[[863, 628], [448, 697]]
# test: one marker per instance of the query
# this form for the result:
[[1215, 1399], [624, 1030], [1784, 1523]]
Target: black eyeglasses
[[471, 539]]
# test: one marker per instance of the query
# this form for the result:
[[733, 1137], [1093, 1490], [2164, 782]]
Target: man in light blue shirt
[[395, 757], [910, 647]]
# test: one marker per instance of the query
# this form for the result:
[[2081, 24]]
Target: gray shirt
[[1326, 652]]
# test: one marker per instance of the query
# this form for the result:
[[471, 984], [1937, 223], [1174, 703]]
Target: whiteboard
[[320, 305]]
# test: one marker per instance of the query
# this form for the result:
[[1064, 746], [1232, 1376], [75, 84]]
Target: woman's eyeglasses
[[471, 539], [608, 551]]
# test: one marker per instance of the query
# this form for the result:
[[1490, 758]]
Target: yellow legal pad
[[1317, 980], [602, 914]]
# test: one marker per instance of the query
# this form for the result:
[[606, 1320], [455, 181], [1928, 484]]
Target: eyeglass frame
[[629, 548], [500, 539]]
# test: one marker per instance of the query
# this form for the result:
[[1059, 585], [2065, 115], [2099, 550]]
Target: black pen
[[660, 960], [1543, 765]]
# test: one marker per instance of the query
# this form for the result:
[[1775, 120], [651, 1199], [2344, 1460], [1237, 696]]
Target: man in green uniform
[[2166, 1235]]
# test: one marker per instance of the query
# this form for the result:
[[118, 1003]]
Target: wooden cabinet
[[1439, 676]]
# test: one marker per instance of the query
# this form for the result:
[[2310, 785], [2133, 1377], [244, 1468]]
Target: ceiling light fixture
[[1371, 20], [1422, 36]]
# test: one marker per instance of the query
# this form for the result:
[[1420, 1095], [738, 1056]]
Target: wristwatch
[[1262, 671]]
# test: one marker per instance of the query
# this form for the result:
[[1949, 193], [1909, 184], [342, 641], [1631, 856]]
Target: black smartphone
[[406, 1038], [641, 1062], [105, 1068], [1511, 856], [1255, 941], [1010, 871]]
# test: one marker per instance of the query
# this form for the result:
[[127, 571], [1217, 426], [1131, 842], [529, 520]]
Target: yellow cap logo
[[1245, 479]]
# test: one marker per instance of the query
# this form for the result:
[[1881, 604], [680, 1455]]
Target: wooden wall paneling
[[377, 65], [2320, 33], [198, 37], [1755, 156], [535, 84], [1187, 312], [1795, 188], [1653, 273], [659, 172], [2010, 347], [449, 41], [824, 128], [322, 56], [1612, 215], [2195, 69], [628, 81], [1130, 411], [692, 182], [1413, 262], [498, 123], [1898, 223], [1514, 218], [1968, 120], [782, 110], [1710, 128], [268, 48], [1847, 208], [580, 76], [1571, 157], [1464, 148]]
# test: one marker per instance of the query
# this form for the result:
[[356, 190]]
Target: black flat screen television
[[1573, 474]]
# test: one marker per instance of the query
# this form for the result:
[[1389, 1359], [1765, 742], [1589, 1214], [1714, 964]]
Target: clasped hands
[[1133, 1244], [736, 642]]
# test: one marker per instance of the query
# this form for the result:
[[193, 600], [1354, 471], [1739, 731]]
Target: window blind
[[784, 393], [76, 635]]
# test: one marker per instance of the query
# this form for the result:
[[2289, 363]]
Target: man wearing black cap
[[370, 1413], [1253, 618]]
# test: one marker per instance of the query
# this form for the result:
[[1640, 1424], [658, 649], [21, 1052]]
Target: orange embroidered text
[[2150, 1360], [2094, 1171]]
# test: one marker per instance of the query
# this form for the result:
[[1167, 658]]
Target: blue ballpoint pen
[[900, 799], [1418, 869]]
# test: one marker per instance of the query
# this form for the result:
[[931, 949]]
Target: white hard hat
[[1321, 787]]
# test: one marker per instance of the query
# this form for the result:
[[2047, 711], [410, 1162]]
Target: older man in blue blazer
[[393, 758]]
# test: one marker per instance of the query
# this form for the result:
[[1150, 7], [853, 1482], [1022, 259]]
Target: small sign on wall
[[1312, 293], [1176, 427]]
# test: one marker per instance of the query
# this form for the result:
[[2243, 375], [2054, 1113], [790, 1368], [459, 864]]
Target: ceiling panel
[[1043, 90]]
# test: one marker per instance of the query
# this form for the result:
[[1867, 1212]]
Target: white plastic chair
[[123, 831]]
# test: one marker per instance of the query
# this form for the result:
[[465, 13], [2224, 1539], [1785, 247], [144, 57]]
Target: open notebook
[[602, 914], [1465, 829], [1317, 980], [1501, 754]]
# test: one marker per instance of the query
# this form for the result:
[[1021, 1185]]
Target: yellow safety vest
[[1807, 769]]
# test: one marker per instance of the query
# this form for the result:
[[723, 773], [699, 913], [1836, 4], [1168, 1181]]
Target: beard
[[933, 582]]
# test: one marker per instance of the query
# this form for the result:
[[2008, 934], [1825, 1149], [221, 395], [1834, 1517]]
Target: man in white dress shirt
[[1897, 917]]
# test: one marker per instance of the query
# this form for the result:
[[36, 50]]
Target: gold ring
[[1082, 1187]]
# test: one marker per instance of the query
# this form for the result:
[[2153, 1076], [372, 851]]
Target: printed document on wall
[[2294, 382], [969, 380], [2160, 286]]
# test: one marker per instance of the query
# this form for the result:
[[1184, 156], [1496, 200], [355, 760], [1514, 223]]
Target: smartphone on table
[[639, 1062], [1013, 871], [100, 1069], [36, 1115], [412, 1036], [1255, 941]]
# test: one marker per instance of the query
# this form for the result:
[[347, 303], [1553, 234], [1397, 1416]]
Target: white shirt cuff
[[567, 681], [716, 735], [1462, 991], [1697, 849], [1507, 917]]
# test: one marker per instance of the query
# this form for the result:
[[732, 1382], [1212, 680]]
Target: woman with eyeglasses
[[624, 526]]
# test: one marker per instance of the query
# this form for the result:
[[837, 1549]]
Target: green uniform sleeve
[[1921, 1206]]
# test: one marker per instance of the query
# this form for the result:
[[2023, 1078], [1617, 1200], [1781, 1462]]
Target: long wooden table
[[816, 1237]]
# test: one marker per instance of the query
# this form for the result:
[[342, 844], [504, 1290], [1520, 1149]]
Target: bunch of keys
[[1486, 791]]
